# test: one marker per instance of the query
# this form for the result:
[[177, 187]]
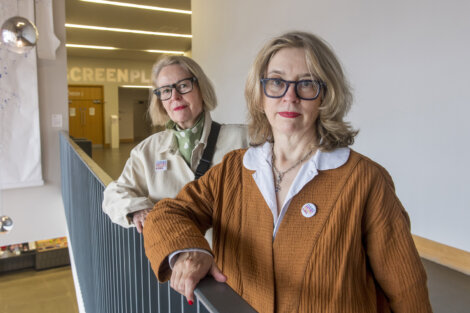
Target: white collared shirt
[[259, 160]]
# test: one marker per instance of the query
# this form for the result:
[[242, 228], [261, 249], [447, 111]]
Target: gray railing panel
[[163, 298], [175, 301], [113, 272]]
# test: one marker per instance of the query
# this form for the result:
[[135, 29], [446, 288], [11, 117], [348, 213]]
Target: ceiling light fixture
[[71, 45], [139, 6], [165, 51], [136, 86], [123, 30]]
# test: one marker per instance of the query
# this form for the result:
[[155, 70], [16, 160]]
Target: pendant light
[[18, 34], [6, 223]]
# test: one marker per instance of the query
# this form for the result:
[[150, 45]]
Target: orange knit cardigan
[[356, 255]]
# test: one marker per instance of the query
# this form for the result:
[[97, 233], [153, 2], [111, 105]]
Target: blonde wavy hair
[[156, 110], [331, 130]]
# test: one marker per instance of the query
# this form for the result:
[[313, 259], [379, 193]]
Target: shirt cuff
[[174, 256]]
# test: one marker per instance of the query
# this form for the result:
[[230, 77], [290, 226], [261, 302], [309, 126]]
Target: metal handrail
[[113, 272]]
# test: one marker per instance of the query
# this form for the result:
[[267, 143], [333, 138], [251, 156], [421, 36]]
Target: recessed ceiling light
[[71, 45], [139, 6], [123, 30], [165, 51], [135, 86]]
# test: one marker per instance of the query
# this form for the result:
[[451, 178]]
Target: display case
[[41, 254], [51, 253]]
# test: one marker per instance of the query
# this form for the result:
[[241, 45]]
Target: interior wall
[[407, 62], [38, 212], [110, 74], [126, 118], [142, 122], [133, 120]]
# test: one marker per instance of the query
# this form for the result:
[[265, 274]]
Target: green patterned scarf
[[187, 138]]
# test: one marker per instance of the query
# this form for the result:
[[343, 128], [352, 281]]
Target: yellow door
[[94, 121], [75, 127], [86, 113]]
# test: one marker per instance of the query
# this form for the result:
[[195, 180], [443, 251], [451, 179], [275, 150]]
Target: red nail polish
[[190, 302]]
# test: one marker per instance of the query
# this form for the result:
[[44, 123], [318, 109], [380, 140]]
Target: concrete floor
[[31, 291], [112, 161]]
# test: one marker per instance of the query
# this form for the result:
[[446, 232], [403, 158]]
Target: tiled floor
[[31, 291]]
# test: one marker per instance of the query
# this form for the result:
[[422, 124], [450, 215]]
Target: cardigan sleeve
[[390, 249], [180, 223]]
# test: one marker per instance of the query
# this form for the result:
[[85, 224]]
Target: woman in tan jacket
[[301, 222], [160, 165]]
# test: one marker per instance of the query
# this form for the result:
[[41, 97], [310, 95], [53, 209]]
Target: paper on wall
[[20, 144]]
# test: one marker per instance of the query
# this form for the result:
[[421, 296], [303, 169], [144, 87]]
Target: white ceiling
[[85, 13]]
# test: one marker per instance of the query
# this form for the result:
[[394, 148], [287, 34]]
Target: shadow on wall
[[449, 290]]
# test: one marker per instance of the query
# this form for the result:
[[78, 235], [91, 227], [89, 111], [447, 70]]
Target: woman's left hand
[[189, 269]]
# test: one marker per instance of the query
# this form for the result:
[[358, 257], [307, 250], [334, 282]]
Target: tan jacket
[[141, 185], [355, 255]]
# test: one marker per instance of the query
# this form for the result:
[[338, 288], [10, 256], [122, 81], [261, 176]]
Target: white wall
[[407, 61], [38, 212]]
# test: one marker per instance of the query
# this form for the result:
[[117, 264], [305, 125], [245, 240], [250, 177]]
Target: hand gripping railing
[[113, 272]]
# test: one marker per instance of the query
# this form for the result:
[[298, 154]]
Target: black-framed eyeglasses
[[182, 86], [305, 89]]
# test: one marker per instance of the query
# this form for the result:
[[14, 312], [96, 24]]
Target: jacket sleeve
[[129, 193], [390, 249], [180, 223]]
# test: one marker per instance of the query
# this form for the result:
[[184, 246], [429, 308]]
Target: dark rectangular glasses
[[183, 86], [305, 89]]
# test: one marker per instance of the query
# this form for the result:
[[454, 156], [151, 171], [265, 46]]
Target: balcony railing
[[113, 272]]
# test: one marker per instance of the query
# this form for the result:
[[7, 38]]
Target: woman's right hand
[[189, 269], [138, 218]]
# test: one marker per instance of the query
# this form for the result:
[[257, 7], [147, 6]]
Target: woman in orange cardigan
[[301, 223]]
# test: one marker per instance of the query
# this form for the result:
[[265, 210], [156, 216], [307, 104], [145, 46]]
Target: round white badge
[[309, 210]]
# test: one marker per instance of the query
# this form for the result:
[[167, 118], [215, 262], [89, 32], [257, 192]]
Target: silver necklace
[[278, 175]]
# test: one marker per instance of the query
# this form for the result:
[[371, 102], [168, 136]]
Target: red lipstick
[[289, 114], [181, 107]]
